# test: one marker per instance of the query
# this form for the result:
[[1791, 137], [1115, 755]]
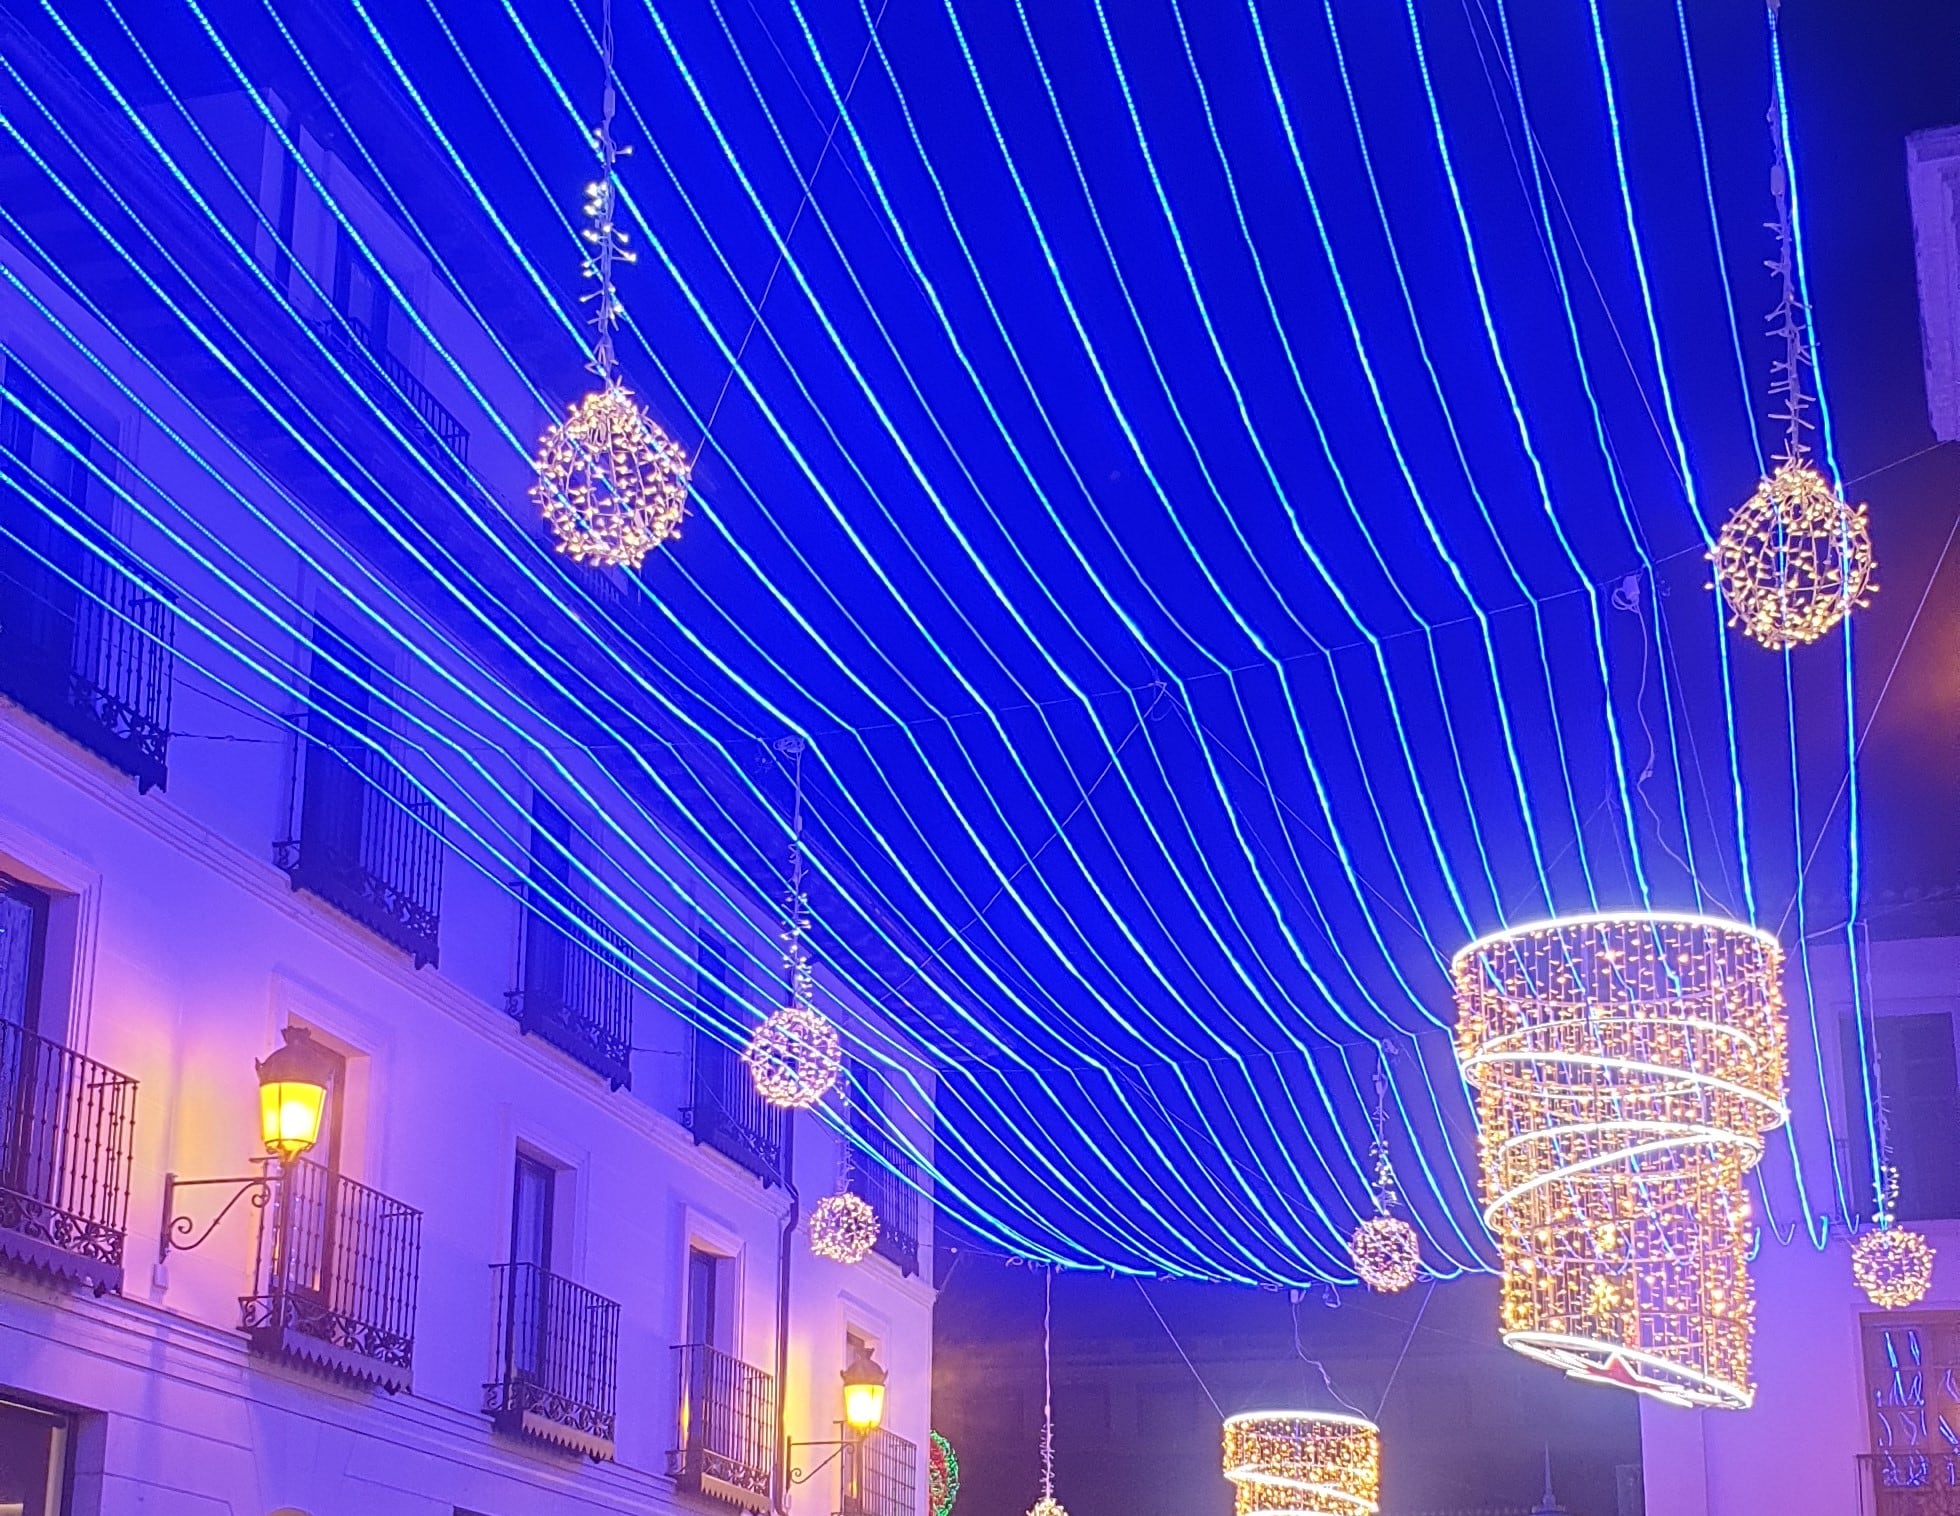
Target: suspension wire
[[1048, 1385], [1788, 318], [608, 239]]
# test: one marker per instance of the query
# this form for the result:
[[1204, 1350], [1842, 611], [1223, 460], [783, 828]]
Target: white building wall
[[181, 952]]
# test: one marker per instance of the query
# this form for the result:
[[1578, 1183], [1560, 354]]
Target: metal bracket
[[258, 1186]]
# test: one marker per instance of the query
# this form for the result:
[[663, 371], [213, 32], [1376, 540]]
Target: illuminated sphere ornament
[[1627, 1069], [942, 1476], [1893, 1266], [1302, 1463], [1794, 560], [1048, 1505], [795, 1057], [843, 1228], [1386, 1253], [612, 485]]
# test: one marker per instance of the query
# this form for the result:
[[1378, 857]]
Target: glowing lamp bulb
[[293, 1095], [864, 1392]]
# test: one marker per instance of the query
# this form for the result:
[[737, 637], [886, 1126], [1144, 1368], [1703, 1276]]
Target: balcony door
[[337, 756], [533, 1192], [545, 941], [23, 952], [40, 562]]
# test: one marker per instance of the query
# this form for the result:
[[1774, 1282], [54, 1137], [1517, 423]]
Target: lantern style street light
[[864, 1412], [293, 1083]]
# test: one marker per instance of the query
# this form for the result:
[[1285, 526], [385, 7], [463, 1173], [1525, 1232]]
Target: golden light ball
[[612, 485], [1893, 1266], [843, 1228], [1386, 1254], [795, 1057], [1794, 560]]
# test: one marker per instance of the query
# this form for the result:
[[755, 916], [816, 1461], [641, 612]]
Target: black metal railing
[[1909, 1482], [554, 1362], [880, 1477], [725, 1112], [887, 1180], [725, 1427], [334, 1283], [406, 398], [67, 1127], [573, 990], [368, 843], [86, 648]]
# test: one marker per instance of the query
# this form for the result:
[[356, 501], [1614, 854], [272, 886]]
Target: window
[[532, 1194], [23, 949], [1916, 1067], [1911, 1363], [369, 843], [710, 1299], [724, 1111], [358, 293], [34, 1456]]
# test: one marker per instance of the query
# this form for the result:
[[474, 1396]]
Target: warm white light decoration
[[1048, 1505], [1795, 559], [795, 1056], [1384, 1249], [844, 1228], [1892, 1264], [1626, 1068], [612, 485], [1303, 1463]]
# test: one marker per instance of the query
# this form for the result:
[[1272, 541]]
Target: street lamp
[[293, 1083], [864, 1392]]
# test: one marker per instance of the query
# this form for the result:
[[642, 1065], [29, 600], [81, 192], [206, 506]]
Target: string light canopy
[[1795, 559], [1303, 1463], [1384, 1249], [1047, 1505], [942, 1475], [1892, 1264], [612, 485], [795, 1056], [1627, 1069]]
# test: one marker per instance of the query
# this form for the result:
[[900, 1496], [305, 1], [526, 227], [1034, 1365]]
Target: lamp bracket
[[837, 1446], [257, 1186]]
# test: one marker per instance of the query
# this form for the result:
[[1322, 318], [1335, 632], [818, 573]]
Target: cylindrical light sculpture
[[1627, 1068], [1303, 1463]]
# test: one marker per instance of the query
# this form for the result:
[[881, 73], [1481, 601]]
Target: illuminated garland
[[1303, 1463], [612, 485], [1893, 1265], [1626, 1070], [1048, 1505], [942, 1475]]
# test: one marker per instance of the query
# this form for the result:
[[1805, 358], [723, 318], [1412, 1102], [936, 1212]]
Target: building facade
[[286, 758]]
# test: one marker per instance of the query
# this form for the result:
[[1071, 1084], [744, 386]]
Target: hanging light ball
[[942, 1476], [795, 1057], [1794, 560], [1386, 1254], [1048, 1505], [1893, 1266], [1627, 1069], [1303, 1463], [843, 1227], [612, 485]]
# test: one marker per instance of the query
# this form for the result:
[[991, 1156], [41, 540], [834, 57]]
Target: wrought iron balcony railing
[[881, 1477], [408, 400], [368, 843], [726, 1113], [890, 1191], [67, 1127], [573, 991], [725, 1432], [87, 648], [1909, 1482], [334, 1284], [554, 1362]]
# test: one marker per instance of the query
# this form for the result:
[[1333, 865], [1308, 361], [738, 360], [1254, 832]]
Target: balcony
[[892, 1191], [881, 1477], [573, 991], [555, 1361], [726, 1114], [1909, 1482], [407, 400], [84, 646], [726, 1431], [67, 1126], [368, 843], [334, 1285]]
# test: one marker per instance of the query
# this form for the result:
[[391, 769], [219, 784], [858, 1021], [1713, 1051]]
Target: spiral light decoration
[[1627, 1069], [1303, 1463]]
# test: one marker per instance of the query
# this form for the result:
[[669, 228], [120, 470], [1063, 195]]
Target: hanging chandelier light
[[1303, 1463], [1892, 1264], [795, 1056], [1384, 1249], [1627, 1069], [612, 485], [1795, 559]]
